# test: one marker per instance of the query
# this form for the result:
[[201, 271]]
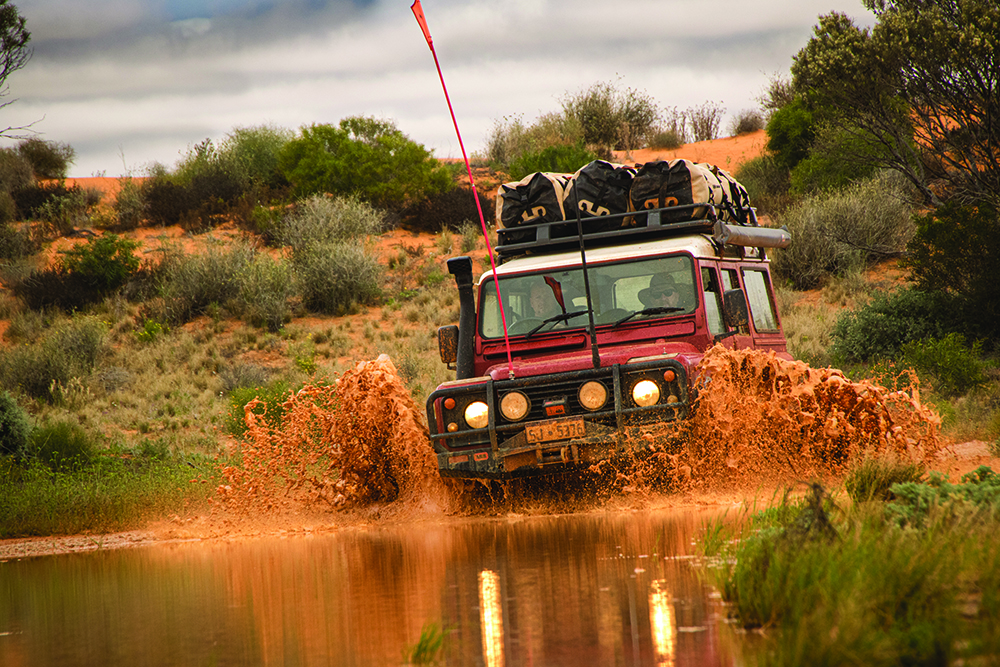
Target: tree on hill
[[362, 156], [14, 52], [920, 91]]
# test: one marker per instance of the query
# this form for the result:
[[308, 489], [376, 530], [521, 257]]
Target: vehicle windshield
[[622, 292]]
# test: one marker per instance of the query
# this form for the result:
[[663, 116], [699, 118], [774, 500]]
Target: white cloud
[[150, 79]]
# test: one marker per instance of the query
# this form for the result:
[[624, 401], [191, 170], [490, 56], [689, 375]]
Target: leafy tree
[[364, 156], [14, 52], [790, 133], [921, 86], [48, 159]]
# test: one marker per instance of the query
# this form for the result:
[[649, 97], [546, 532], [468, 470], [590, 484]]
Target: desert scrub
[[842, 231], [854, 585], [69, 349], [115, 489]]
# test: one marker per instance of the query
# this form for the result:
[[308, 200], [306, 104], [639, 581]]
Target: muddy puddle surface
[[336, 542], [562, 590]]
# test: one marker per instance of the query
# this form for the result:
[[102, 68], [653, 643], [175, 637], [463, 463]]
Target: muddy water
[[609, 589]]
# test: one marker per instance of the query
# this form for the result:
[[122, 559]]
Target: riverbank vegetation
[[904, 570]]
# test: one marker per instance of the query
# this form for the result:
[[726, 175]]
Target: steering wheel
[[524, 326]]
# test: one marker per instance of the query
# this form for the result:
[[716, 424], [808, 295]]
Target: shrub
[[15, 171], [363, 156], [955, 367], [15, 243], [130, 205], [872, 478], [62, 446], [705, 121], [611, 118], [767, 183], [561, 159], [447, 210], [273, 397], [67, 351], [745, 122], [880, 328], [837, 232], [104, 263], [266, 285], [956, 248], [166, 201], [335, 277], [64, 212], [48, 159], [190, 283], [790, 133], [241, 375], [253, 153], [322, 220], [15, 429]]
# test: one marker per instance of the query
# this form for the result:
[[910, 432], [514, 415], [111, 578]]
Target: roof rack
[[605, 230]]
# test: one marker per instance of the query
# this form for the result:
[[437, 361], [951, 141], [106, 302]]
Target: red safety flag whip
[[418, 12]]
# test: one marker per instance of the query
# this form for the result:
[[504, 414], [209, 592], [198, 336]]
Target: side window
[[761, 302], [713, 301], [729, 280]]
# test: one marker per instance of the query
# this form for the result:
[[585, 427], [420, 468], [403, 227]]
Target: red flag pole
[[418, 12]]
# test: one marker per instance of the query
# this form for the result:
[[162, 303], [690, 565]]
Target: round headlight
[[514, 406], [477, 415], [645, 392], [593, 395]]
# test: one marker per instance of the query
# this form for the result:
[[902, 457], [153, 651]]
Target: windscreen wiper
[[561, 317], [658, 310]]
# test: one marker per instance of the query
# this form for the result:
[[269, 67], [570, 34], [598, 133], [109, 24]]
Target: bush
[[835, 233], [104, 263], [560, 159], [447, 210], [833, 162], [266, 285], [879, 329], [15, 243], [62, 446], [746, 122], [48, 159], [130, 205], [611, 118], [872, 478], [190, 283], [767, 183], [15, 171], [790, 133], [272, 395], [705, 121], [15, 429], [335, 277], [166, 201], [323, 220], [956, 248], [955, 367], [253, 153], [362, 156], [69, 350]]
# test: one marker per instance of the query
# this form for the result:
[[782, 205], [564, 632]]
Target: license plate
[[555, 430]]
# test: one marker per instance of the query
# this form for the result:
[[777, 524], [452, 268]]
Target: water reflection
[[610, 589]]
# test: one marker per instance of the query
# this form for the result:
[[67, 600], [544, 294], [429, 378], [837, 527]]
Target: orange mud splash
[[356, 442], [759, 418]]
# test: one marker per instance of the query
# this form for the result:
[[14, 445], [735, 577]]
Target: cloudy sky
[[132, 82]]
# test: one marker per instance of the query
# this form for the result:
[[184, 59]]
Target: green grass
[[117, 490], [912, 581]]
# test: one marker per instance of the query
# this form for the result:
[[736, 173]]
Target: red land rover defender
[[586, 374]]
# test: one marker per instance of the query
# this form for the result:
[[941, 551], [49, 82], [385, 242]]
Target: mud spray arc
[[758, 419]]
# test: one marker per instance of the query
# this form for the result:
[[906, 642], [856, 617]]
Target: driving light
[[645, 392], [593, 395], [477, 415], [514, 406]]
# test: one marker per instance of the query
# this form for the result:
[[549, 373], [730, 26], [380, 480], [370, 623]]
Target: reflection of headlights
[[645, 392], [477, 415], [514, 406], [593, 395]]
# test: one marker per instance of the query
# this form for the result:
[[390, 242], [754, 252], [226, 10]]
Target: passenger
[[662, 292], [542, 302]]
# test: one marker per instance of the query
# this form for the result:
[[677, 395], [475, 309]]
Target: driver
[[661, 293]]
